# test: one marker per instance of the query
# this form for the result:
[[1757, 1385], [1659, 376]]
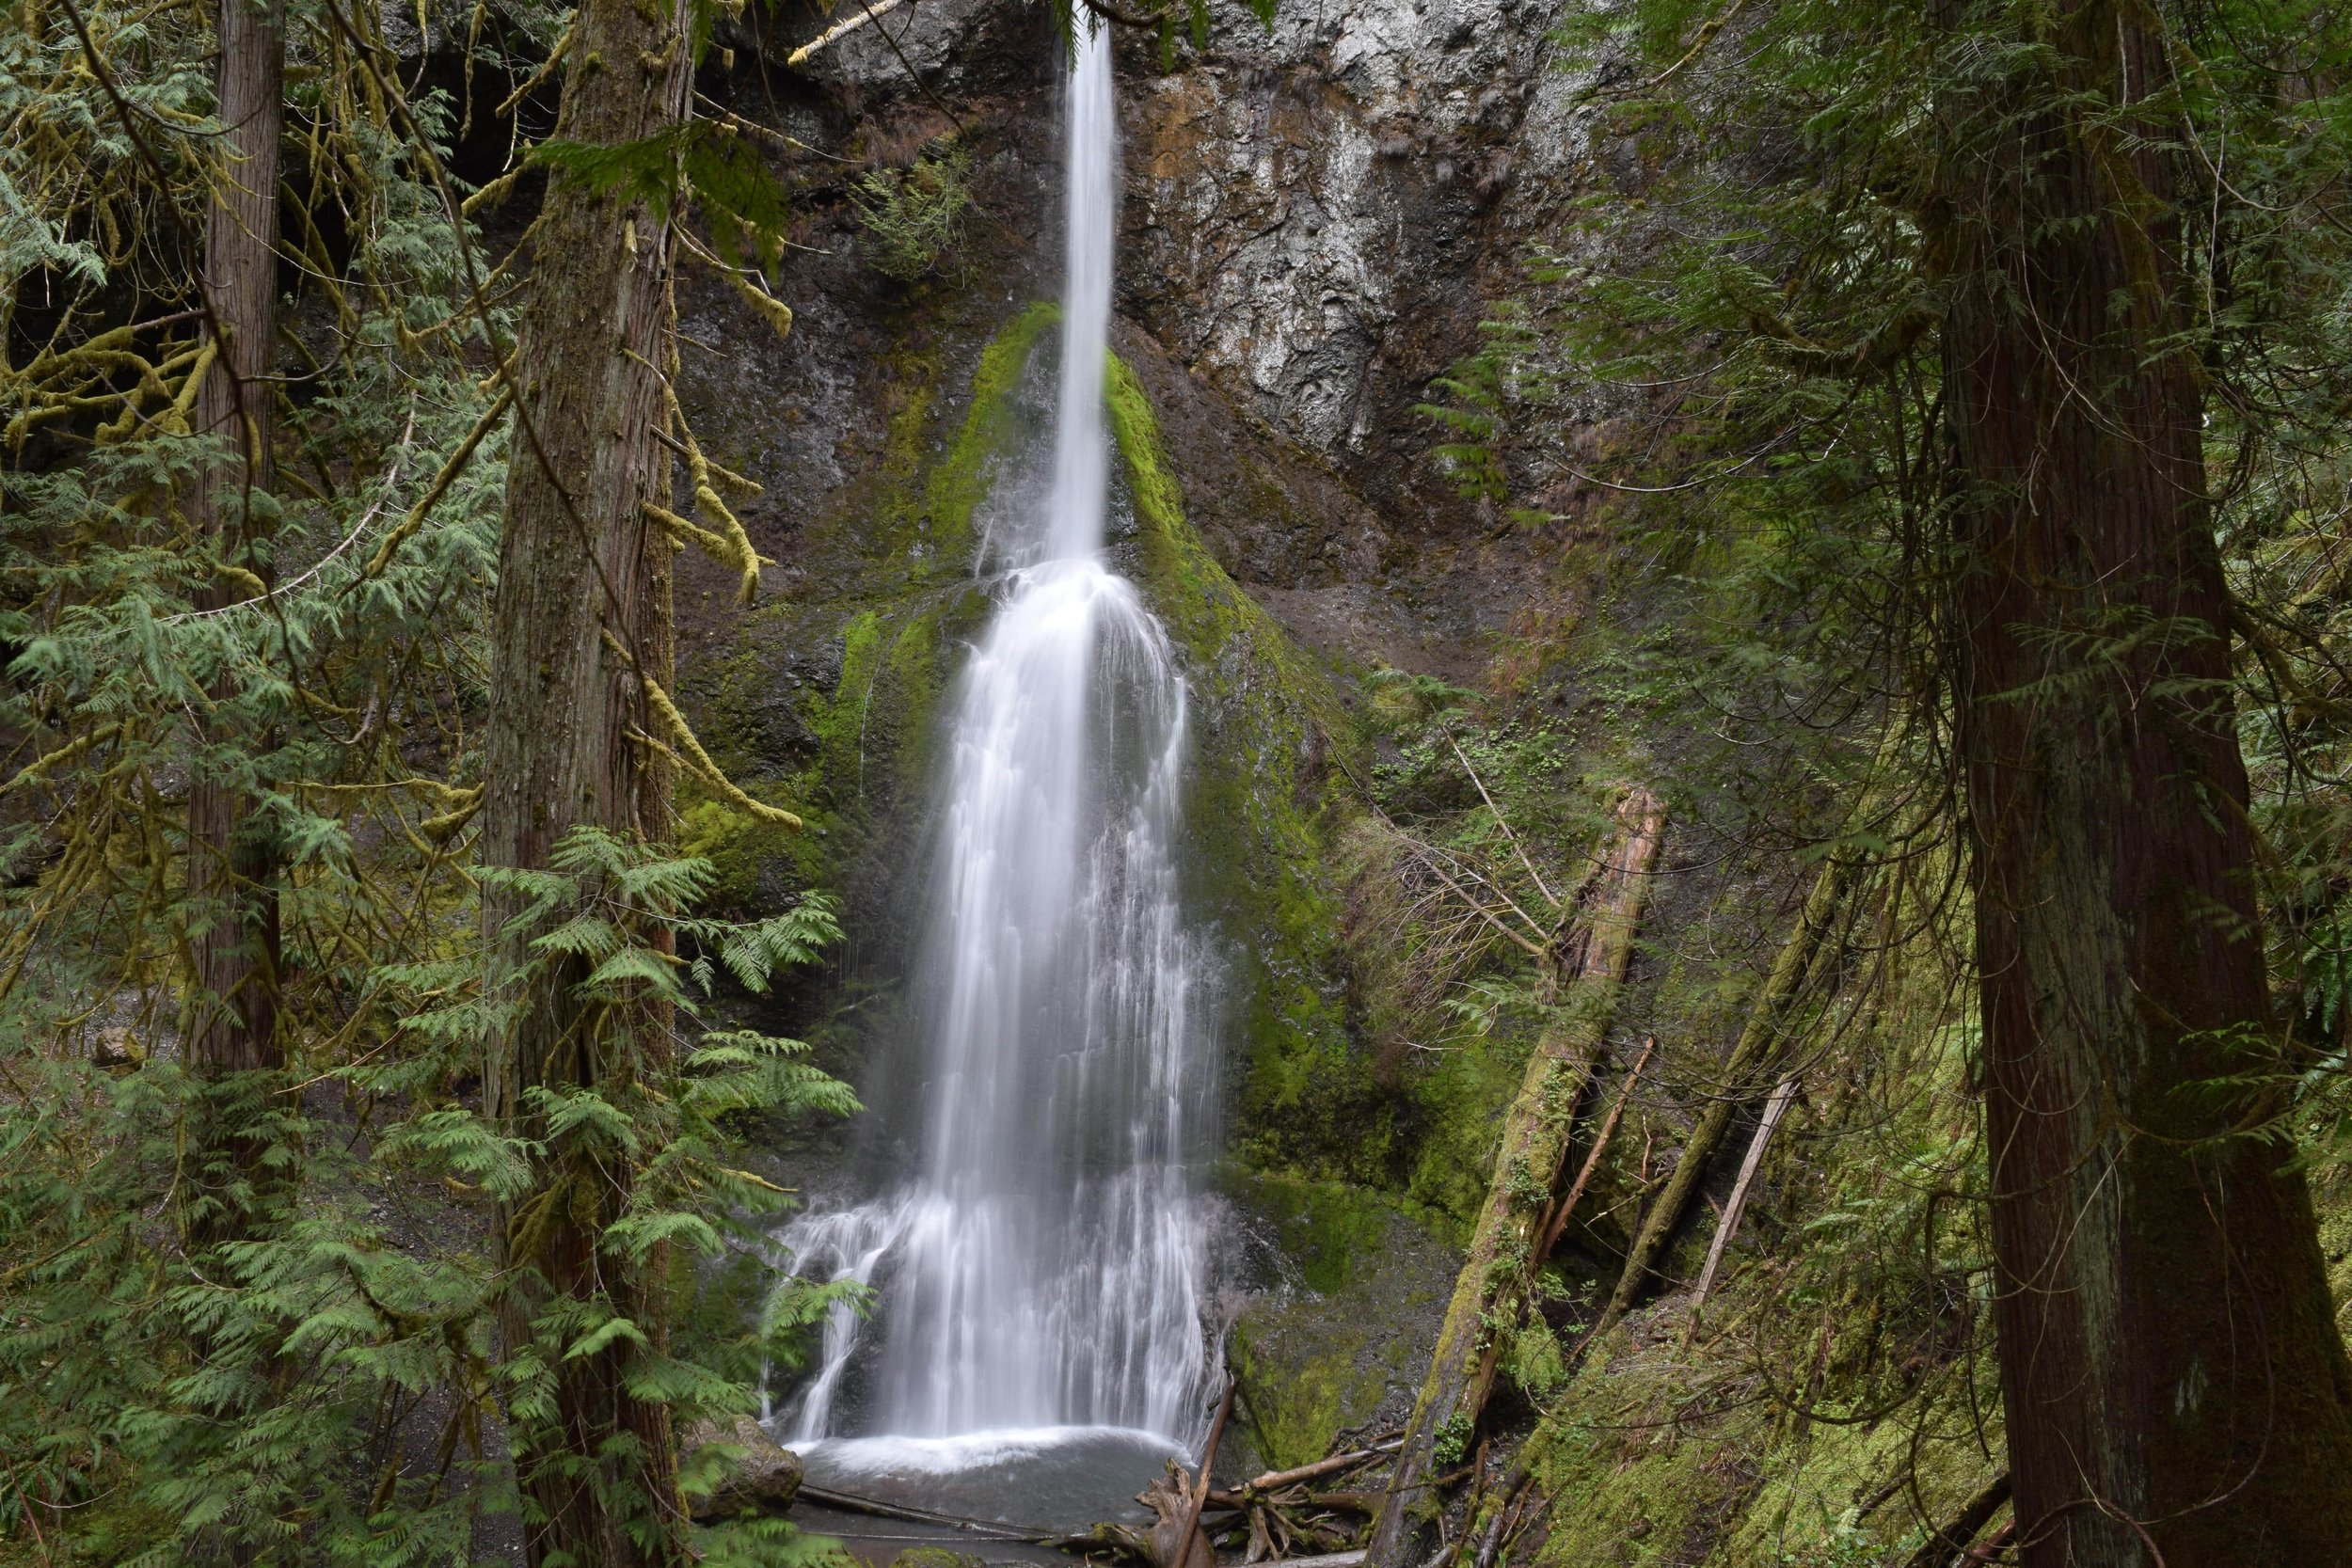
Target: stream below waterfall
[[1034, 1347]]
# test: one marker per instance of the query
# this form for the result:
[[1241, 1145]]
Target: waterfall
[[1041, 1266]]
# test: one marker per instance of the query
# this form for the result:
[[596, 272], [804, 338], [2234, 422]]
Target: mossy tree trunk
[[231, 863], [2172, 1376], [583, 602], [1586, 968]]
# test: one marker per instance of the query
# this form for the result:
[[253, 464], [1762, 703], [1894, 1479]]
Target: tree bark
[[2172, 1373], [1493, 1286], [583, 602], [232, 863]]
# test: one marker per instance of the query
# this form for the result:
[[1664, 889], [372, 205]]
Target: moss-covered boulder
[[726, 1467]]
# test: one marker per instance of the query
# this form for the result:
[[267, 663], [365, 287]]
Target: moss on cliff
[[1268, 800], [1330, 1352], [829, 694], [1661, 1452]]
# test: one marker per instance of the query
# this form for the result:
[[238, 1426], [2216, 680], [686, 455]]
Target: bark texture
[[231, 865], [581, 574], [1493, 1285], [2175, 1387]]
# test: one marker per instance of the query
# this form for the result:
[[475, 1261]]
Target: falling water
[[1043, 1267]]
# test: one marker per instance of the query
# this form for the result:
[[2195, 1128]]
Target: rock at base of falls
[[937, 1557], [754, 1471]]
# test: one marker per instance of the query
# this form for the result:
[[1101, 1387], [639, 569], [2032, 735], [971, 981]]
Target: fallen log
[[1587, 961], [1803, 961], [850, 1502], [1951, 1540], [1563, 1210], [1773, 1109]]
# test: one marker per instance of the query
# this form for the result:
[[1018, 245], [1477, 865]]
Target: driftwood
[[1274, 1481], [1773, 1109], [1185, 1546], [1282, 1511], [1803, 964], [1588, 961], [850, 1502]]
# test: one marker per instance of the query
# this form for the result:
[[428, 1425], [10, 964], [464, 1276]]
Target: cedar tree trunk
[[231, 865], [579, 570], [2172, 1376]]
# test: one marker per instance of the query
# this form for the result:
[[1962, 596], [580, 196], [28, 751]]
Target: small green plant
[[912, 215], [1453, 1443]]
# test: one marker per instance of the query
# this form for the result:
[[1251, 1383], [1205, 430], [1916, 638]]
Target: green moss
[[738, 845], [1457, 1103], [889, 562], [1330, 1230], [962, 479], [1329, 1355], [1265, 798]]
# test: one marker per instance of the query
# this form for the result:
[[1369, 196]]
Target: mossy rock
[[937, 1557], [729, 1467], [1345, 1346]]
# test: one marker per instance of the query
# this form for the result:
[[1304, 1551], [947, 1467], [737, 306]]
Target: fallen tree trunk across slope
[[1587, 968], [1800, 971]]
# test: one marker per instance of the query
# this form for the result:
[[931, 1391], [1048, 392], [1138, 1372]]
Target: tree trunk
[[2172, 1373], [232, 863], [581, 574], [1493, 1286]]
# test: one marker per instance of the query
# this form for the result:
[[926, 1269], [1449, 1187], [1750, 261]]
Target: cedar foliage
[[280, 1344]]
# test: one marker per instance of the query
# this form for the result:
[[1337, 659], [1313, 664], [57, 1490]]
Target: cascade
[[1038, 1268]]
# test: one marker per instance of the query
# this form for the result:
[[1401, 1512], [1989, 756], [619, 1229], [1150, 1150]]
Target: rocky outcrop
[[1311, 202], [1316, 216]]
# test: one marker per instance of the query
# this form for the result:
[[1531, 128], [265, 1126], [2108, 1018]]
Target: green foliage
[[914, 215], [1453, 1442], [256, 1318]]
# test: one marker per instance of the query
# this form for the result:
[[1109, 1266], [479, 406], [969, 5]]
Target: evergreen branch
[[439, 487]]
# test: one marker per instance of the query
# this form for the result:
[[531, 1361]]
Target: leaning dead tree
[[1802, 968], [1584, 968]]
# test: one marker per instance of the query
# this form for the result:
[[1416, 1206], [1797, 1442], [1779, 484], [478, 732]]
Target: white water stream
[[1039, 1273]]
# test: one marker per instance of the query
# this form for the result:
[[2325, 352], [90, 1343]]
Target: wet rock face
[[1315, 213]]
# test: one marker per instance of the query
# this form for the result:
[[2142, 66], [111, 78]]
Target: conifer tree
[[579, 626], [2175, 1386], [234, 1027], [1969, 318]]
